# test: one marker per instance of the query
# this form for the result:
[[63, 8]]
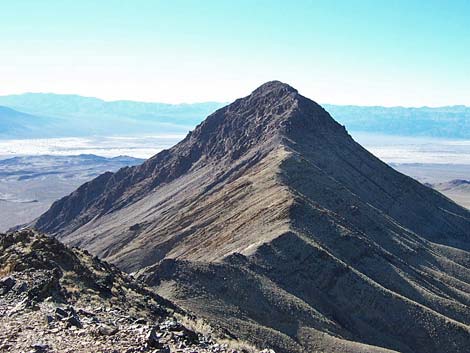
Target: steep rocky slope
[[272, 221], [56, 299]]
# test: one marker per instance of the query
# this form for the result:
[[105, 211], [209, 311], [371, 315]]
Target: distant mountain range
[[56, 115], [457, 189], [15, 124], [446, 122], [72, 115]]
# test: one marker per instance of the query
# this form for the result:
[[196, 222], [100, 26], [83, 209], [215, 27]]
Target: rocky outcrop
[[56, 299], [270, 220]]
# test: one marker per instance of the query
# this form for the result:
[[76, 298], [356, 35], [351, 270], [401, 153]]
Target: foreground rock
[[56, 299]]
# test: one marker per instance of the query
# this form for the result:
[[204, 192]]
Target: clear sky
[[365, 52]]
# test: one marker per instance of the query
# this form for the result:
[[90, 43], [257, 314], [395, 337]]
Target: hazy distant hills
[[18, 124], [45, 115], [73, 105], [448, 122], [458, 190], [72, 115]]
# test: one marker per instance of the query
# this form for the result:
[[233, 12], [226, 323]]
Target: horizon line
[[227, 102]]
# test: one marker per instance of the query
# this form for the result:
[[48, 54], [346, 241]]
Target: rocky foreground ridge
[[56, 299], [271, 221]]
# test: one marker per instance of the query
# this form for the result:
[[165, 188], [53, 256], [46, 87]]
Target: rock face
[[56, 299], [270, 220]]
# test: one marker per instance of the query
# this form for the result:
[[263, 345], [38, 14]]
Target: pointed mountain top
[[269, 198], [274, 87]]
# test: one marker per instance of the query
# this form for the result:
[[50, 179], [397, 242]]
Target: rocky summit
[[56, 299], [271, 221]]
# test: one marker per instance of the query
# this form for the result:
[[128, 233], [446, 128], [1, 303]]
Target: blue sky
[[409, 53]]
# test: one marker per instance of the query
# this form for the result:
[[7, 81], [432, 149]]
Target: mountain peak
[[271, 117], [248, 122], [275, 87], [270, 218]]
